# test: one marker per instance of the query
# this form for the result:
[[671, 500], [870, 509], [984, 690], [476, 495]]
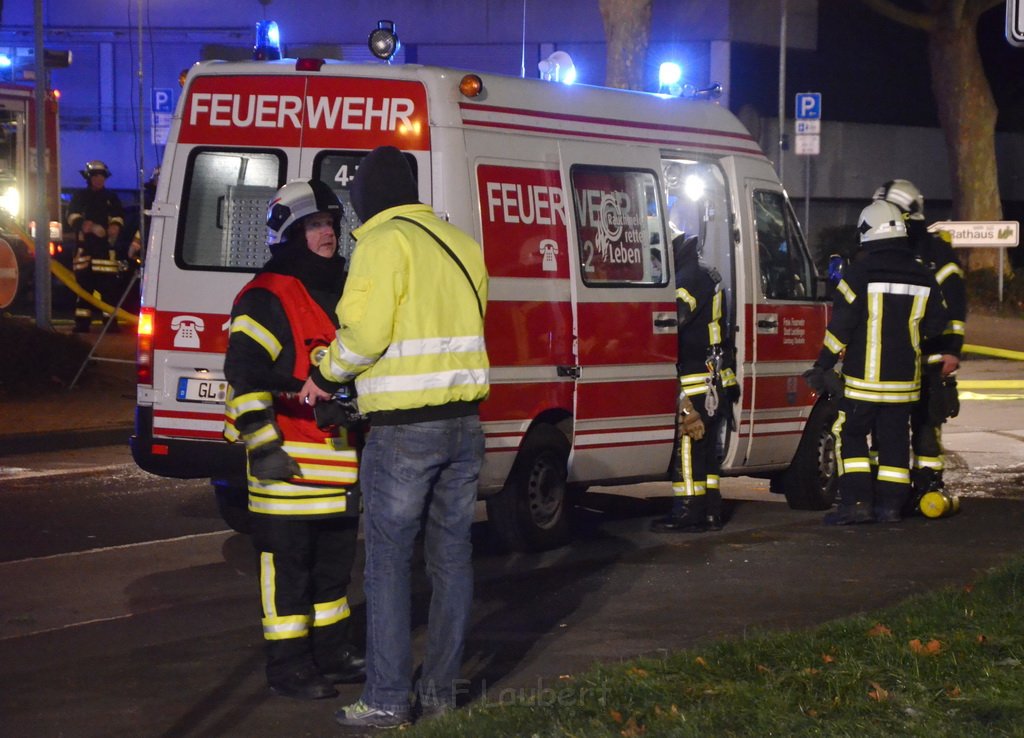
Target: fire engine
[[574, 193], [19, 179]]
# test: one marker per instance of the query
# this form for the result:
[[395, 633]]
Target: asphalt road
[[127, 609]]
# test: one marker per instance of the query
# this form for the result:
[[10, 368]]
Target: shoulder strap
[[450, 253]]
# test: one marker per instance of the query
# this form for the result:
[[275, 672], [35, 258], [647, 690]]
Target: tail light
[[144, 349]]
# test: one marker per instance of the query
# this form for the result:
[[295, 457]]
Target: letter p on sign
[[808, 106]]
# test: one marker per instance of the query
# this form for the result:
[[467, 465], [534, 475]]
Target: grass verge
[[949, 663]]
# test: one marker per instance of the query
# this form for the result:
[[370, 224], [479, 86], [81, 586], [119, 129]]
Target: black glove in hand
[[815, 378], [272, 462]]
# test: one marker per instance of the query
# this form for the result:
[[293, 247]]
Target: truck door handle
[[769, 322], [666, 322], [569, 371]]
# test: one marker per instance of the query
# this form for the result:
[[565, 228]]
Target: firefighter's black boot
[[713, 515], [688, 516], [854, 514], [291, 671]]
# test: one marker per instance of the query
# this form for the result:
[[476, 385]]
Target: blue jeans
[[404, 470]]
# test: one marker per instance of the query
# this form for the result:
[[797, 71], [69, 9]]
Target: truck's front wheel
[[531, 513], [810, 481]]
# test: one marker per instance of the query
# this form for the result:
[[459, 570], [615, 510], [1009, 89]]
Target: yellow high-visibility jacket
[[411, 325]]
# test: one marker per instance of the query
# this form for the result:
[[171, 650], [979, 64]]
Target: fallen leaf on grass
[[968, 588], [878, 693], [701, 662], [763, 669], [811, 670], [632, 729], [827, 659], [953, 692], [615, 715], [981, 638], [930, 648], [637, 671], [879, 630]]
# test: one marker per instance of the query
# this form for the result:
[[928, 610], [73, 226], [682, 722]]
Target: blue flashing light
[[669, 73], [268, 41], [5, 61]]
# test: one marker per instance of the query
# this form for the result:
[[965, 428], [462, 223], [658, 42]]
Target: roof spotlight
[[558, 68], [383, 41]]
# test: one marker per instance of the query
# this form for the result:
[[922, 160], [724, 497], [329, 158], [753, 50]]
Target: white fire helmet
[[903, 194], [881, 220], [95, 167], [295, 201]]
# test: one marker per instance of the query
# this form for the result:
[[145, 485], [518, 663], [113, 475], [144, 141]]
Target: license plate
[[201, 390]]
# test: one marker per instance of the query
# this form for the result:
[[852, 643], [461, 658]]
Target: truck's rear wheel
[[233, 505], [810, 481], [531, 513]]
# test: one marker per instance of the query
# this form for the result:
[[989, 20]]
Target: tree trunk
[[627, 29], [967, 113]]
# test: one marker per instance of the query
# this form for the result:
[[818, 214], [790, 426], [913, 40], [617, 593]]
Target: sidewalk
[[99, 410]]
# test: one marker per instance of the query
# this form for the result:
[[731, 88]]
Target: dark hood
[[383, 180]]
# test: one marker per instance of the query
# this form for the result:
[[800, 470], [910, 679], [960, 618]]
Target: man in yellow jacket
[[412, 338]]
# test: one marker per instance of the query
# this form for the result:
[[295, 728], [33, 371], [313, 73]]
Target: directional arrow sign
[[982, 233], [1014, 23]]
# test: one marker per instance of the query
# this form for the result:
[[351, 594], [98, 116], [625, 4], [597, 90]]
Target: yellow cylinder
[[939, 504]]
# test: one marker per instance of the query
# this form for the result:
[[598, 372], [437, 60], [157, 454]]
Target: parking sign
[[808, 106], [163, 100]]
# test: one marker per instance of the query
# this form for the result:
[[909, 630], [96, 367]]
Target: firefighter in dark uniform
[[938, 397], [96, 217], [886, 305], [706, 384], [301, 478]]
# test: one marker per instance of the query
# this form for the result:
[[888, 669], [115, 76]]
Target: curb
[[27, 443]]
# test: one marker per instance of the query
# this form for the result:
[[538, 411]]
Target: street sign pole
[[808, 142]]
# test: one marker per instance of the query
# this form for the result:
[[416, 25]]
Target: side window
[[223, 218], [786, 269], [336, 169], [620, 232], [697, 201]]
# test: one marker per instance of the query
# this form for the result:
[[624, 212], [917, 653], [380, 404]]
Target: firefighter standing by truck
[[96, 217], [938, 395], [886, 305], [707, 383], [301, 478]]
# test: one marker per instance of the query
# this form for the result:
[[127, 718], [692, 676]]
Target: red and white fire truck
[[574, 193], [19, 182]]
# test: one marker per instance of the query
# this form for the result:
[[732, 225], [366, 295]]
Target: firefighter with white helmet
[[96, 216], [938, 397], [301, 476], [886, 305]]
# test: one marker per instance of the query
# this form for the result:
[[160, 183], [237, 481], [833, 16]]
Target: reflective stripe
[[273, 506], [832, 343], [286, 627], [893, 474], [247, 326], [899, 288], [955, 327], [415, 382], [948, 271], [683, 294], [929, 462], [329, 613], [268, 584], [260, 437], [846, 291], [250, 402], [885, 397], [435, 346], [873, 354], [713, 481], [857, 465], [902, 386], [715, 326], [342, 364], [837, 430], [686, 487]]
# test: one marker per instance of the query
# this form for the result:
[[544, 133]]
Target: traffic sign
[[163, 100], [1014, 22], [808, 127], [808, 145], [8, 274], [808, 106], [1003, 234]]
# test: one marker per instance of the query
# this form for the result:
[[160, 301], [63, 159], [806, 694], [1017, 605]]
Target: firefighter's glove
[[270, 461], [341, 410], [689, 419], [823, 381]]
